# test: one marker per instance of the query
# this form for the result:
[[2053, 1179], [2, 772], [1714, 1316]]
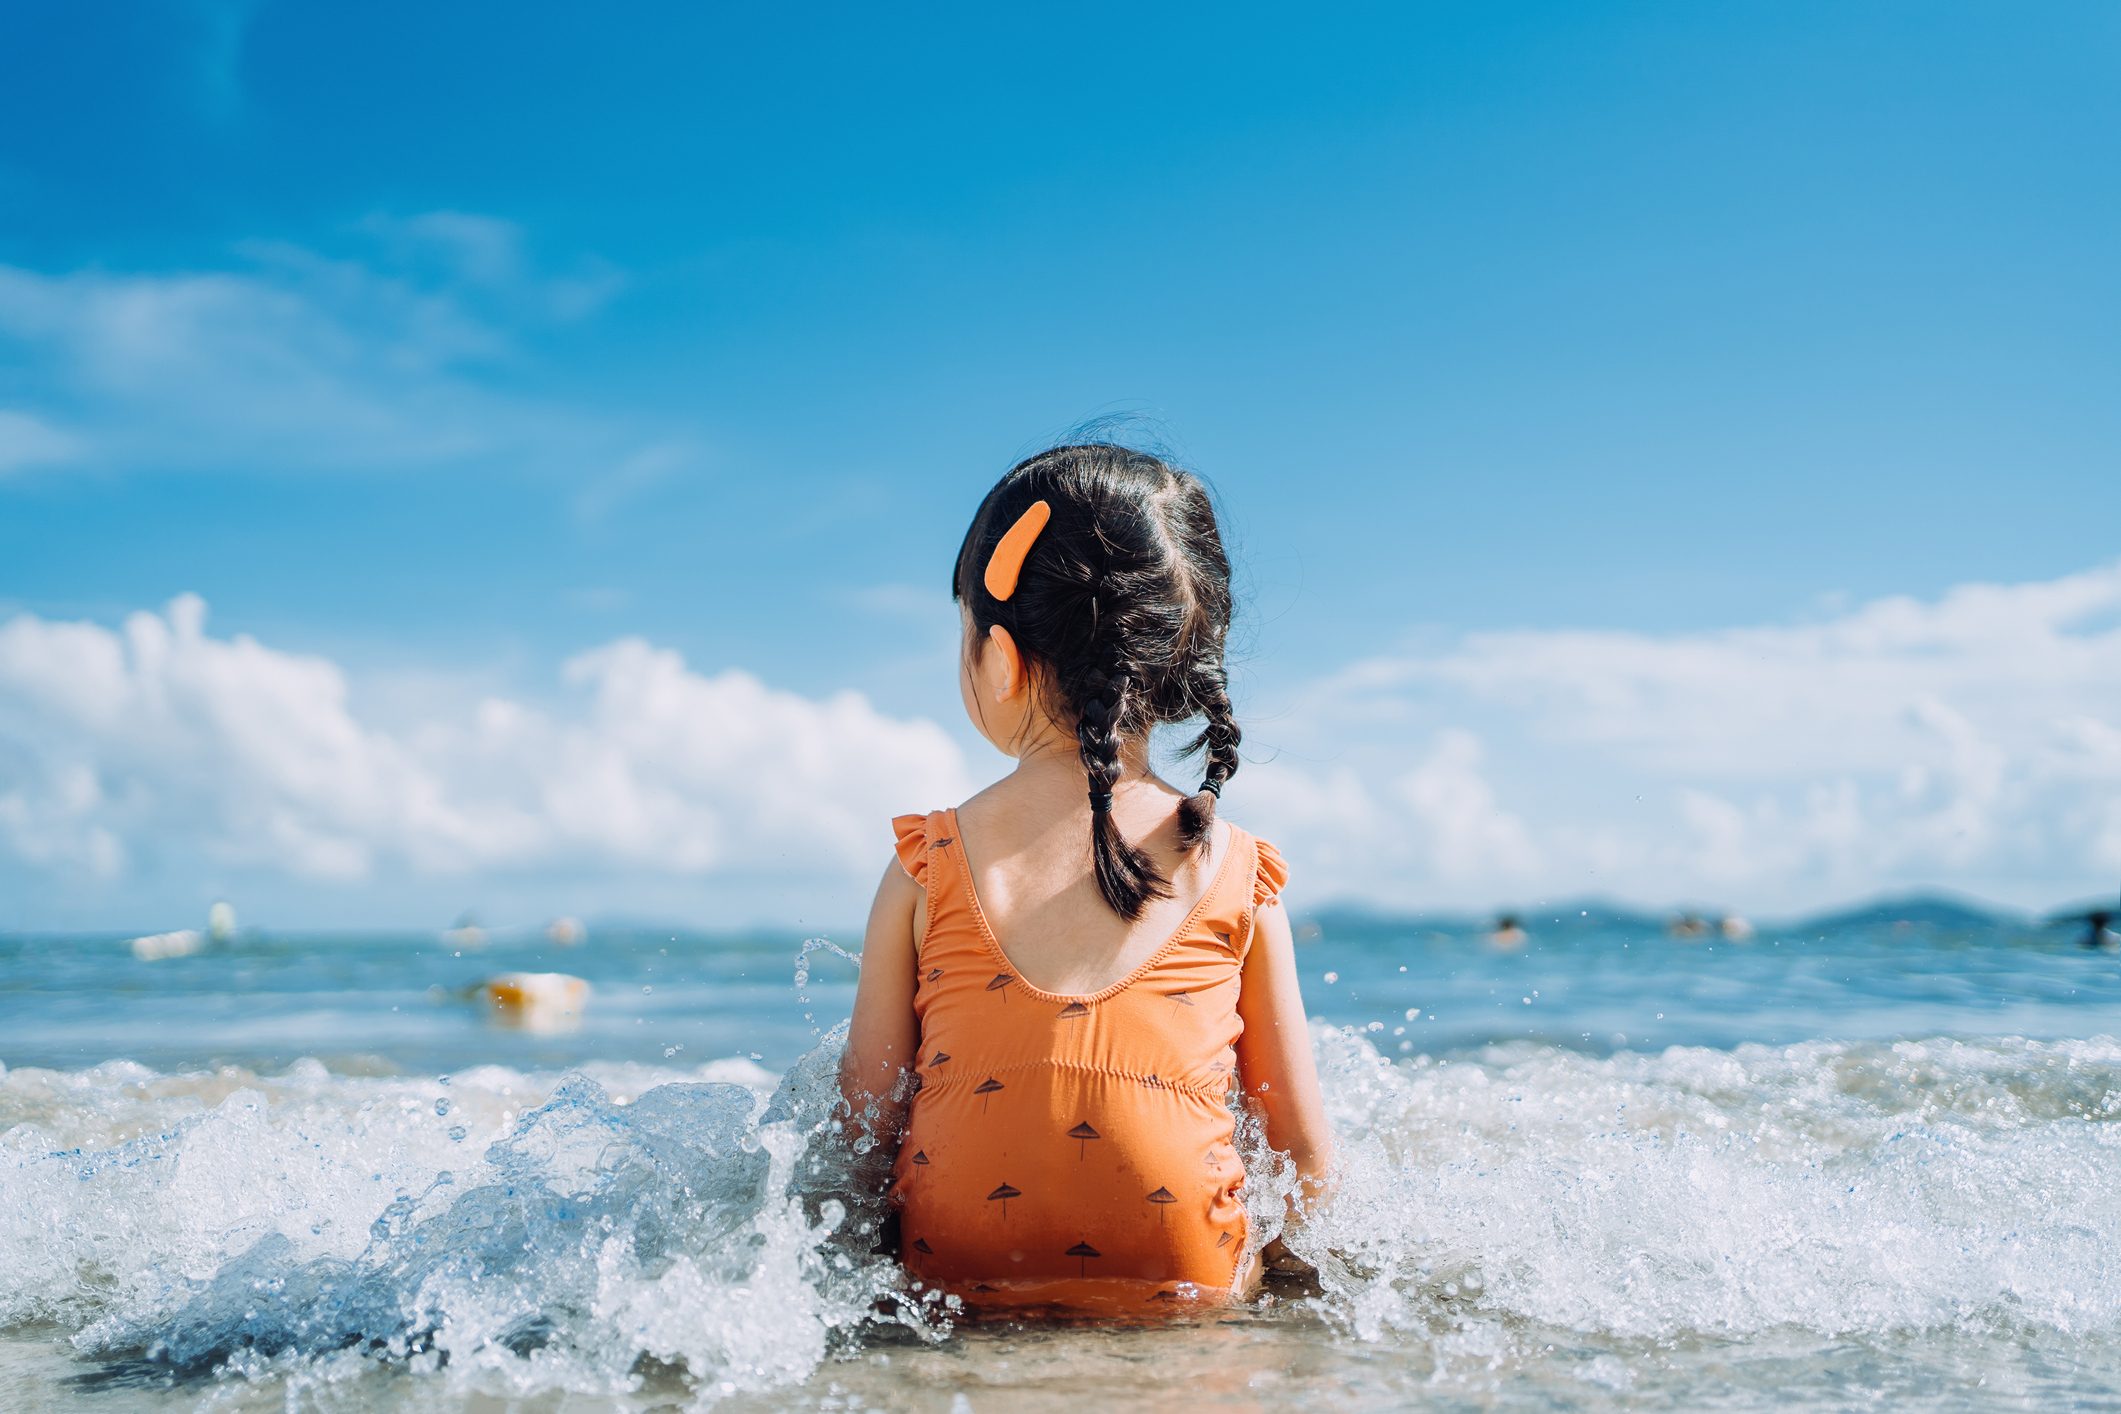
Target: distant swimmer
[[544, 1002], [1508, 932], [465, 933], [221, 922], [2098, 926], [1687, 927], [1734, 928], [565, 932]]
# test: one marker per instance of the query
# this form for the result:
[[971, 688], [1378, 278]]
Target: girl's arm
[[884, 1036], [1274, 1054]]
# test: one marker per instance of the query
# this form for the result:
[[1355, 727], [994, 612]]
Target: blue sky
[[445, 346]]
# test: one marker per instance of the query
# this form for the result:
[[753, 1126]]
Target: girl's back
[[1064, 980], [1071, 1144]]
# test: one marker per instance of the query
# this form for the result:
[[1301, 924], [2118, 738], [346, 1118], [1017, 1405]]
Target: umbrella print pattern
[[1083, 1252], [935, 974], [1002, 1195], [920, 1156], [985, 1089], [1073, 1010], [1001, 982], [938, 1058], [1082, 1134], [1182, 998], [1163, 1198]]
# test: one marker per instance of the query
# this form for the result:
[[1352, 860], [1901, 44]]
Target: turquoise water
[[1871, 1159], [1579, 981]]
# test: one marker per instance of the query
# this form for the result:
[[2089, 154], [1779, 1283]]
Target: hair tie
[[1100, 800], [1213, 787], [1007, 561]]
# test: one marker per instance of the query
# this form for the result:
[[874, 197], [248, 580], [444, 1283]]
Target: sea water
[[1873, 1161]]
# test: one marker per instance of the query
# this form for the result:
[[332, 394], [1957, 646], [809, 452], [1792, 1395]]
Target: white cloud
[[1973, 741], [491, 253], [29, 441], [1968, 740], [1393, 834], [160, 736], [288, 359]]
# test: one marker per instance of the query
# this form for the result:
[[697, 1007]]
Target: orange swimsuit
[[1075, 1151]]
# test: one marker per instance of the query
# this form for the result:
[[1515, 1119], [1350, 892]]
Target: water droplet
[[442, 1106], [457, 1132], [1331, 978]]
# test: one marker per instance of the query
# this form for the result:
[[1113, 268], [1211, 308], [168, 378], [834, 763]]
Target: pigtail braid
[[1126, 876], [1218, 740]]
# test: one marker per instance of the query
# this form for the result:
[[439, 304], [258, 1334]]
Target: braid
[[1126, 876], [1219, 740]]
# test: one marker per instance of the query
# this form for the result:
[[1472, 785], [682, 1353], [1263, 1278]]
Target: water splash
[[706, 1233], [698, 1225], [802, 971]]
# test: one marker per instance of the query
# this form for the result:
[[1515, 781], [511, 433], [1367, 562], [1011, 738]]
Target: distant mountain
[[1921, 910], [1360, 918], [1939, 911], [1576, 915]]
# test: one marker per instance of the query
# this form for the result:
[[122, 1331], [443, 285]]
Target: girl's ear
[[1003, 667]]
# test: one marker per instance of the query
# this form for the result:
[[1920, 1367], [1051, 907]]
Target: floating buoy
[[534, 1001], [155, 947], [565, 932]]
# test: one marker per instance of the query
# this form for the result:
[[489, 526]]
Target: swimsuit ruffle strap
[[912, 832], [1268, 877], [1269, 873]]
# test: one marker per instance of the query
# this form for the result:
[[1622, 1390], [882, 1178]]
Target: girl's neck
[[1052, 753]]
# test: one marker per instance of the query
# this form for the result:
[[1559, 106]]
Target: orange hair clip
[[1009, 553]]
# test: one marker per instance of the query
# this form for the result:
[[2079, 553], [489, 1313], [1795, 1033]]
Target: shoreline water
[[1522, 1222]]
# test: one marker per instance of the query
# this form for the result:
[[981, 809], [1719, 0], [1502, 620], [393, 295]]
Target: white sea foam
[[512, 1233]]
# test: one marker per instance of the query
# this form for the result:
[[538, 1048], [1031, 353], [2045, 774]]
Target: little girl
[[1065, 977]]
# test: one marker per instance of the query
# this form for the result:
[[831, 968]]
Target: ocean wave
[[513, 1232]]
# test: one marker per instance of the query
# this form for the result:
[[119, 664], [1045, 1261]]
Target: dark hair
[[1123, 609]]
